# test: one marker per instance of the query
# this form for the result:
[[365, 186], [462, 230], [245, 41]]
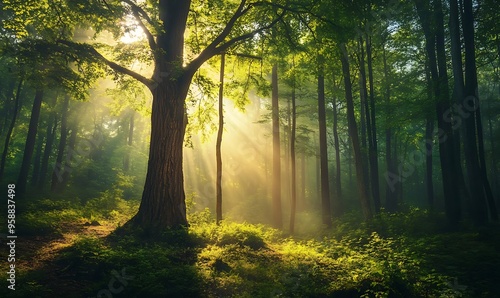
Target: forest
[[247, 148]]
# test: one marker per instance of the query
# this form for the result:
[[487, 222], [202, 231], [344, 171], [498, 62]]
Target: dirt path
[[37, 255]]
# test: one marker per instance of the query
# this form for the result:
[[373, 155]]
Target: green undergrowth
[[46, 215], [394, 255]]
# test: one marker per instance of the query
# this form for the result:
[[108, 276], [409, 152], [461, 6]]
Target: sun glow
[[133, 32]]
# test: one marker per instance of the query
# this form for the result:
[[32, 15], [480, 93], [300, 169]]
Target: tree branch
[[216, 48], [141, 11], [151, 38], [116, 67], [209, 50]]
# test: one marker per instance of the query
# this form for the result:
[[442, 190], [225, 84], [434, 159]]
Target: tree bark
[[293, 207], [30, 143], [36, 162], [433, 26], [337, 202], [353, 132], [163, 199], [15, 113], [277, 217], [57, 173], [373, 150], [130, 139], [474, 172], [390, 192], [325, 182], [218, 184], [51, 132]]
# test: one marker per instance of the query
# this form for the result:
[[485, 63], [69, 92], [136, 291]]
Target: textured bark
[[15, 113], [353, 133], [325, 183], [30, 143], [163, 199], [218, 184], [277, 217]]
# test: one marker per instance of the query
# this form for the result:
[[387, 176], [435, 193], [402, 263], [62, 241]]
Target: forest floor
[[69, 250]]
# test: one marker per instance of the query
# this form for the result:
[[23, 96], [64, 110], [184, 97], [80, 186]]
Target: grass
[[395, 255]]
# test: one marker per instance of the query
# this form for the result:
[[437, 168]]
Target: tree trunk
[[293, 207], [57, 174], [30, 143], [130, 139], [353, 132], [69, 156], [337, 202], [163, 199], [435, 49], [474, 171], [325, 187], [429, 185], [36, 163], [458, 93], [477, 163], [390, 192], [277, 217], [15, 112], [218, 184], [365, 113], [9, 94], [51, 132], [373, 144]]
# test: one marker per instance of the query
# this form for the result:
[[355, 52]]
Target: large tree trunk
[[353, 132], [277, 217], [325, 183], [15, 112], [163, 199], [30, 143], [218, 154]]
